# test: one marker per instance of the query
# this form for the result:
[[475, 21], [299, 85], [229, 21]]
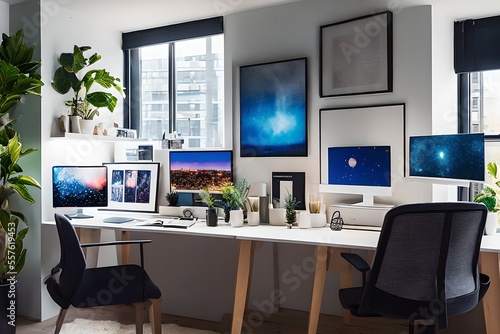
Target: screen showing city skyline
[[196, 170]]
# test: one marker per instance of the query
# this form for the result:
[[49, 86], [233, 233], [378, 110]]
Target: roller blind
[[477, 45], [172, 33]]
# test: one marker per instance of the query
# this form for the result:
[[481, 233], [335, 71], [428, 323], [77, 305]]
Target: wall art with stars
[[273, 109]]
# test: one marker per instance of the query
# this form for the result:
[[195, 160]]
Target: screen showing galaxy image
[[273, 109], [130, 186], [79, 186], [455, 156], [195, 170], [360, 166]]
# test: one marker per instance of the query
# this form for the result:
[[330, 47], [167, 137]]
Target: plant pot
[[87, 126], [318, 219], [491, 225], [75, 124], [227, 214], [277, 216], [8, 307], [236, 218], [253, 218], [211, 217]]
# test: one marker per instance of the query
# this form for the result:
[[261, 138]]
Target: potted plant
[[172, 198], [290, 205], [18, 77], [208, 199], [234, 197], [488, 196], [85, 103]]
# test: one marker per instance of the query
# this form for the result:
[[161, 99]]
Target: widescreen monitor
[[360, 170], [450, 159], [192, 171], [79, 187]]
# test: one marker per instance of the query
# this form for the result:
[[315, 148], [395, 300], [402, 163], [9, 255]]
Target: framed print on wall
[[273, 109], [356, 56], [133, 186]]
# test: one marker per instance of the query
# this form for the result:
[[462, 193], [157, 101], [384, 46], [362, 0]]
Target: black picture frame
[[297, 180], [356, 56], [273, 109]]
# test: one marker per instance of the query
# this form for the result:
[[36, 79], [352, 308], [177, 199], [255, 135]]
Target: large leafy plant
[[18, 77], [234, 195], [85, 103], [488, 195]]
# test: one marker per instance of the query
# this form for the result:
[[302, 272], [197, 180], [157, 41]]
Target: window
[[177, 82]]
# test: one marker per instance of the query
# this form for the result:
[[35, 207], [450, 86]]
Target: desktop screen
[[360, 166], [196, 170], [79, 186], [455, 156]]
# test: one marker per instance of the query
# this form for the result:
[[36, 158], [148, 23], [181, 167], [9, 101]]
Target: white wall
[[423, 79], [4, 17]]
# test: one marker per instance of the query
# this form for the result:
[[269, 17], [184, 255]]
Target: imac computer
[[453, 159], [362, 170], [79, 187]]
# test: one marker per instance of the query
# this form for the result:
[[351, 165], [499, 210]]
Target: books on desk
[[167, 222]]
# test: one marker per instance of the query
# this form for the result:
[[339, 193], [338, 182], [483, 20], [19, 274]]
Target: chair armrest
[[120, 242], [115, 243], [359, 263], [356, 261]]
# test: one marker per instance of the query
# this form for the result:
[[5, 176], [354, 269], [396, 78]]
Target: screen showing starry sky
[[360, 166], [456, 156], [273, 101]]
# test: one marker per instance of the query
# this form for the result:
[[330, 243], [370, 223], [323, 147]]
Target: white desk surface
[[366, 240]]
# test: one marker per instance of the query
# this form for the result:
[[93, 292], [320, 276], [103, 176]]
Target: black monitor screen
[[360, 166], [196, 170], [79, 186], [456, 156]]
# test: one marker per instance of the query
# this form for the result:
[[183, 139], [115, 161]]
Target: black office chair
[[425, 267], [71, 283]]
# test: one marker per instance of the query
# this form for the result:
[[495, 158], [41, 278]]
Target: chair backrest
[[71, 265], [427, 253]]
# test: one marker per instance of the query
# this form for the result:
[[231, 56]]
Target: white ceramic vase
[[75, 124], [236, 218], [491, 223], [253, 218], [277, 216], [87, 126]]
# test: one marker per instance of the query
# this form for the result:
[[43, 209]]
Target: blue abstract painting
[[273, 109]]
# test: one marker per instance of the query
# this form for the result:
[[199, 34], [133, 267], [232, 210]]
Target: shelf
[[80, 136]]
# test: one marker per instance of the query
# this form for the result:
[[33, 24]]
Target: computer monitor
[[361, 170], [454, 159], [79, 187], [191, 171]]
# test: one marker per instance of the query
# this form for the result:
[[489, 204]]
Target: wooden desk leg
[[318, 284], [245, 258], [340, 265], [491, 301], [88, 235], [125, 235]]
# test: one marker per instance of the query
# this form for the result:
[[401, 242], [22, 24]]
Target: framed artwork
[[273, 109], [356, 56], [133, 186], [284, 183]]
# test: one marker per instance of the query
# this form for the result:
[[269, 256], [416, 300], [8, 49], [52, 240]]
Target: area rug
[[83, 326]]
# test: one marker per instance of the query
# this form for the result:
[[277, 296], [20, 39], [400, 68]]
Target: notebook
[[168, 222]]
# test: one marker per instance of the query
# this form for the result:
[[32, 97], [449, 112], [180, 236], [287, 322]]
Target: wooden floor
[[284, 322]]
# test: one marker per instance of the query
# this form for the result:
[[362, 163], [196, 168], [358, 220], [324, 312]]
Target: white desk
[[328, 245]]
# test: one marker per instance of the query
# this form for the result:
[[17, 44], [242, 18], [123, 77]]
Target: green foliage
[[290, 205], [207, 198], [172, 197], [18, 77], [488, 196], [234, 196], [84, 102]]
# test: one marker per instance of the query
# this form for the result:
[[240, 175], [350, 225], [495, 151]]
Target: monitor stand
[[79, 214]]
